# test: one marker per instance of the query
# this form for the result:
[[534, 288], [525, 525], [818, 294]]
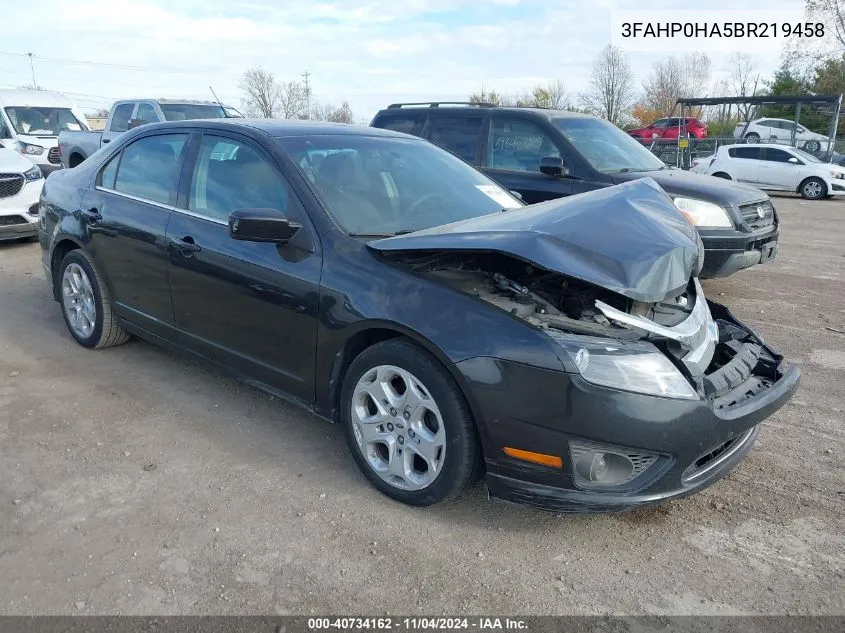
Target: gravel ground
[[133, 481]]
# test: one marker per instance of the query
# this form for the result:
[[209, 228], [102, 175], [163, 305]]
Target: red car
[[669, 128]]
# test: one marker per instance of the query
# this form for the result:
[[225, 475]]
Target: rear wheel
[[813, 189], [812, 146], [86, 304], [407, 424], [752, 137]]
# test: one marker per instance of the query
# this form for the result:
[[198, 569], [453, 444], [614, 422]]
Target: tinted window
[[146, 113], [379, 186], [108, 173], [661, 123], [767, 123], [150, 167], [183, 111], [754, 153], [121, 116], [458, 134], [607, 148], [518, 145], [777, 155], [410, 123], [230, 175]]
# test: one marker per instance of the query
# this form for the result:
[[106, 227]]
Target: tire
[[721, 174], [812, 146], [813, 189], [83, 293], [442, 427], [752, 137]]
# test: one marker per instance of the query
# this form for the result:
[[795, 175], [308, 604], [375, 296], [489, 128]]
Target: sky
[[368, 52]]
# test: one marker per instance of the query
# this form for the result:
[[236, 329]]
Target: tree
[[743, 81], [832, 14], [293, 100], [327, 112], [610, 94], [552, 95], [672, 79], [262, 93]]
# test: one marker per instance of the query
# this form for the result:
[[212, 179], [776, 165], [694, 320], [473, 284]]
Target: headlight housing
[[29, 148], [703, 214], [638, 367], [33, 174]]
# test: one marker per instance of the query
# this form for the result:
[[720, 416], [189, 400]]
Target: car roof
[[545, 113], [35, 98], [284, 127]]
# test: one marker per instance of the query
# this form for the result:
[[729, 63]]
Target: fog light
[[599, 466]]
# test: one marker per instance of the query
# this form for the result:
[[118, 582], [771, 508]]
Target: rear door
[[746, 162], [126, 215], [514, 149], [251, 306]]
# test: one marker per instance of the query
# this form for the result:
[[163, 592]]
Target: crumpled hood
[[629, 238]]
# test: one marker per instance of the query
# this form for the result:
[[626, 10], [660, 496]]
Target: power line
[[157, 69]]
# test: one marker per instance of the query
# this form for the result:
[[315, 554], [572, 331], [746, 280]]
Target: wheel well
[[74, 159], [59, 252]]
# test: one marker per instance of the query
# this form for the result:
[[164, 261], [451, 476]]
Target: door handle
[[187, 246], [92, 215]]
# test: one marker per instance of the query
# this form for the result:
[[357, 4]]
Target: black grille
[[54, 156], [715, 455], [9, 220], [10, 185], [751, 214]]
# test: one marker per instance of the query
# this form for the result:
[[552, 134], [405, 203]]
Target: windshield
[[607, 148], [805, 156], [43, 121], [189, 111], [232, 113], [383, 186]]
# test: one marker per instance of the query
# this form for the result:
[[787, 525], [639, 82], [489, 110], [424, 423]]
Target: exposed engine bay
[[723, 361]]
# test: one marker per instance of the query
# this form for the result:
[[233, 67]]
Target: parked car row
[[563, 350]]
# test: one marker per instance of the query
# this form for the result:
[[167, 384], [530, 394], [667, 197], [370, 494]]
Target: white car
[[774, 168], [780, 131], [20, 188]]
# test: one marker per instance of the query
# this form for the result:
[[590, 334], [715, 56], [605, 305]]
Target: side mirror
[[261, 225], [553, 166], [794, 161]]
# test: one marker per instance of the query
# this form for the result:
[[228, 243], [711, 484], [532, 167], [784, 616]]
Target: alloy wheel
[[813, 189], [398, 427], [78, 300]]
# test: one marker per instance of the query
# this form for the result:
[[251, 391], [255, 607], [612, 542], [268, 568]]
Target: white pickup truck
[[75, 147]]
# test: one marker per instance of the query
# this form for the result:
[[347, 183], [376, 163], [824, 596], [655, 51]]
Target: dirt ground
[[254, 506]]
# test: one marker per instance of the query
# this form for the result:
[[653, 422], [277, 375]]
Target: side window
[[150, 167], [230, 174], [777, 155], [108, 173], [458, 134], [4, 130], [518, 145], [753, 153], [661, 123], [121, 116], [411, 123], [146, 113]]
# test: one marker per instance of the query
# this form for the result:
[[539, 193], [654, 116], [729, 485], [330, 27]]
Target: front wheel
[[407, 424], [813, 189], [86, 305]]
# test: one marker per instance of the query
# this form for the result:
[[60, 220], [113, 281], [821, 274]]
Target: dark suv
[[545, 154]]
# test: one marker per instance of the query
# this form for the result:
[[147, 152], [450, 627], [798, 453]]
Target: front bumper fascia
[[726, 252], [540, 410]]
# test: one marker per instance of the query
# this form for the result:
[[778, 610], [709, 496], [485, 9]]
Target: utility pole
[[306, 75], [32, 68]]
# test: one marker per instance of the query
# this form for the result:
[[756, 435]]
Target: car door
[[745, 162], [515, 146], [126, 214], [119, 122], [249, 305], [776, 172]]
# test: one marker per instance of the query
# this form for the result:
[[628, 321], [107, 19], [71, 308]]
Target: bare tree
[[743, 81], [558, 96], [672, 79], [293, 100], [327, 112], [552, 95], [611, 89], [262, 93], [832, 14]]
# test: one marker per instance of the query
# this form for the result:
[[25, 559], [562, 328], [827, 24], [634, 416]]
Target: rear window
[[753, 153], [410, 123], [458, 134]]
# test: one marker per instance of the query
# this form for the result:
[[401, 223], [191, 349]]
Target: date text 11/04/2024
[[417, 624], [723, 30]]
